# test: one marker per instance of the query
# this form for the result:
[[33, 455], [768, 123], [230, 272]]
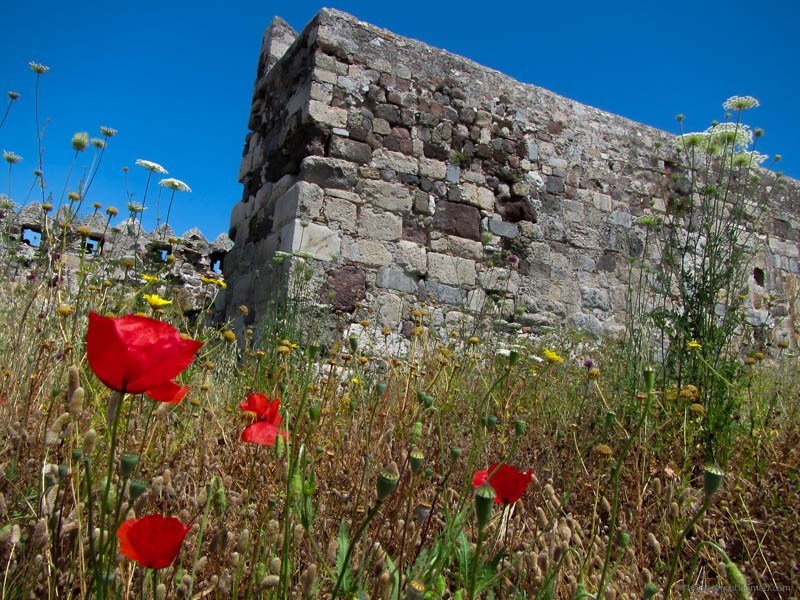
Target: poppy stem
[[353, 542], [473, 577]]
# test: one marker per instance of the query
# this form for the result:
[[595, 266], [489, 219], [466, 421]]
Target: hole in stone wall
[[758, 276], [216, 259], [31, 236], [92, 245], [159, 251]]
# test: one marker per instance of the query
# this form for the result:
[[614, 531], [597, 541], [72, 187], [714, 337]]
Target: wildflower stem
[[679, 544], [361, 528], [5, 114], [473, 576], [38, 132]]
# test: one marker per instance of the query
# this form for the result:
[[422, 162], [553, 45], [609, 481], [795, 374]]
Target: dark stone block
[[357, 152], [435, 151], [344, 288], [413, 230], [555, 185], [458, 219]]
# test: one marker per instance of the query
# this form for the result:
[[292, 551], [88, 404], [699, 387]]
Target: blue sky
[[176, 78]]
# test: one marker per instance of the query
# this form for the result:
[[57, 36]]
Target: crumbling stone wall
[[98, 241], [397, 174]]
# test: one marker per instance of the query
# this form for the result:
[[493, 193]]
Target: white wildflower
[[151, 166], [738, 103], [731, 134], [108, 131], [691, 140], [747, 158], [38, 68], [98, 142], [175, 184], [135, 207], [11, 157], [79, 141]]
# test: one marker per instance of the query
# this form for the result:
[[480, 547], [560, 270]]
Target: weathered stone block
[[342, 212], [446, 294], [394, 197], [478, 196], [432, 169], [451, 270], [412, 257], [302, 200], [325, 115], [395, 279], [385, 159], [366, 251], [503, 229], [310, 238], [347, 149], [329, 172], [380, 225], [344, 288], [458, 219]]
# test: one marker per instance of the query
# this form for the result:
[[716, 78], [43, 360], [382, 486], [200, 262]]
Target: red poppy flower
[[153, 541], [169, 392], [134, 354], [265, 429], [508, 483]]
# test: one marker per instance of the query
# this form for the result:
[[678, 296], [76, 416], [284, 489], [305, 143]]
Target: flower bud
[[416, 458], [712, 480], [136, 488], [387, 481], [520, 426], [484, 499], [127, 463]]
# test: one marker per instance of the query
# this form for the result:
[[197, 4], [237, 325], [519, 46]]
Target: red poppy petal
[[134, 354], [156, 540], [256, 403], [125, 546], [479, 478], [508, 483], [169, 392], [263, 433]]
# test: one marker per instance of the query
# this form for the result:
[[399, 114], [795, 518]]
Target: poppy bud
[[313, 413], [136, 488], [63, 471], [77, 454], [650, 590], [611, 416], [455, 453], [415, 436], [380, 388], [89, 440], [127, 463], [484, 499], [416, 458], [353, 344], [712, 480], [387, 481], [520, 426]]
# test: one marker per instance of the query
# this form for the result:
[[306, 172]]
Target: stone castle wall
[[397, 174]]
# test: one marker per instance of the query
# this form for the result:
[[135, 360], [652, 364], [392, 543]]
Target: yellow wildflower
[[65, 310], [214, 281], [693, 345], [229, 336], [288, 344], [149, 278], [552, 357], [474, 341], [156, 301]]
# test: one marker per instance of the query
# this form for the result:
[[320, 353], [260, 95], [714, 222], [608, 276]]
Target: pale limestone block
[[451, 270], [478, 196], [458, 246], [302, 200], [386, 159], [326, 115], [313, 239], [387, 195], [412, 257], [496, 279], [343, 212], [366, 251], [380, 225], [432, 169]]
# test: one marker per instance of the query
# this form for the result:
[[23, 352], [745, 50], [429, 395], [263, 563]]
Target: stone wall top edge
[[340, 21]]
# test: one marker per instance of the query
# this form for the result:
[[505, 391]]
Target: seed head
[[38, 68], [13, 96], [108, 131], [80, 141]]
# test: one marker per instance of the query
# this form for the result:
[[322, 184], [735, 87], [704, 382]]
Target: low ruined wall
[[98, 248], [400, 175]]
